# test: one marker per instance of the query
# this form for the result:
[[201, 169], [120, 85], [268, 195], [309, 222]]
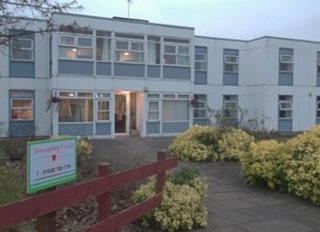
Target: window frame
[[318, 107], [233, 64], [204, 62], [201, 99], [129, 51], [75, 47], [13, 48], [176, 54], [283, 100], [289, 64], [103, 99], [12, 108]]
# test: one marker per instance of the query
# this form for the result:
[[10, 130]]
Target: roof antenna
[[129, 2]]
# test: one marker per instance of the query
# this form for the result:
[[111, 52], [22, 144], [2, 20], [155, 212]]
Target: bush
[[263, 164], [15, 148], [182, 206], [202, 143], [293, 166]]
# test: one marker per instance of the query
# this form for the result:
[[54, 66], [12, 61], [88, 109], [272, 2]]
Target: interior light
[[74, 49], [126, 53]]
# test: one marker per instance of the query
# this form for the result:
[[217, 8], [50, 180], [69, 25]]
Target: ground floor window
[[285, 106], [103, 107], [230, 107], [200, 108], [318, 107], [21, 105], [76, 107]]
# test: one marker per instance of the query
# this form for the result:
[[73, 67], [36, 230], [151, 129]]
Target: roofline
[[122, 19]]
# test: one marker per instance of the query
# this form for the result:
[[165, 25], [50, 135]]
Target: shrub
[[264, 164], [182, 206], [202, 143], [15, 148]]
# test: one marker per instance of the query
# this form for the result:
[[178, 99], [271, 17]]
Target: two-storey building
[[114, 75]]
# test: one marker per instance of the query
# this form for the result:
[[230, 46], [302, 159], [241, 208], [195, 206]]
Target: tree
[[13, 13]]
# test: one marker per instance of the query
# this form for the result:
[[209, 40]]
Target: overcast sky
[[234, 19]]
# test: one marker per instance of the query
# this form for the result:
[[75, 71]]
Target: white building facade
[[122, 75]]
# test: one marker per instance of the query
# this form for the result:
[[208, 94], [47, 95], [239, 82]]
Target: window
[[129, 48], [153, 50], [230, 106], [22, 48], [285, 107], [176, 52], [77, 107], [103, 110], [154, 107], [231, 63], [286, 60], [318, 107], [175, 108], [21, 105], [103, 46], [200, 61], [75, 47], [200, 109], [318, 62]]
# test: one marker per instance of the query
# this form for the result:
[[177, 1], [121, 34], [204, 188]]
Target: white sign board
[[51, 163]]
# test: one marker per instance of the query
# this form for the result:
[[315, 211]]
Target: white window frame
[[286, 59], [154, 110], [198, 108], [22, 108], [22, 48], [285, 105], [200, 61], [75, 46], [227, 61], [318, 107], [103, 99], [129, 50], [176, 53]]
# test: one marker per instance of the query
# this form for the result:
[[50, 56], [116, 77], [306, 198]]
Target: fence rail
[[48, 203]]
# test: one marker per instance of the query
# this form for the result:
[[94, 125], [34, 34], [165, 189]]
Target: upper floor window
[[22, 48], [230, 60], [286, 60], [285, 106], [129, 48], [200, 60], [103, 46], [154, 50], [176, 52], [75, 47]]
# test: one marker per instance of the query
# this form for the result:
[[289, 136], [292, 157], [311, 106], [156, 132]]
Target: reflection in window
[[76, 110], [175, 111]]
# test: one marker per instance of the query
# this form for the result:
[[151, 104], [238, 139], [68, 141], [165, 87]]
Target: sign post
[[51, 163]]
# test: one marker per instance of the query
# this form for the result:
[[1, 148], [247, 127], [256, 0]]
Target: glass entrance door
[[120, 116]]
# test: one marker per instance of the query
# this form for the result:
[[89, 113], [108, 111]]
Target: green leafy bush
[[202, 143], [182, 206]]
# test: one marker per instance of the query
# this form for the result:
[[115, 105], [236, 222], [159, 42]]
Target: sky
[[233, 19]]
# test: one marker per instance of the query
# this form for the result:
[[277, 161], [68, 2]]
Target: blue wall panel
[[154, 71], [285, 79], [103, 68], [200, 78], [77, 129], [285, 125], [21, 128], [129, 70], [76, 67], [180, 73], [230, 79], [201, 122], [103, 128], [318, 121], [174, 127], [153, 127], [22, 69]]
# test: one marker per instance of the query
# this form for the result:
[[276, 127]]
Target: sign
[[51, 163]]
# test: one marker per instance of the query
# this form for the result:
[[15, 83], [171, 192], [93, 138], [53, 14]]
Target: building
[[118, 75]]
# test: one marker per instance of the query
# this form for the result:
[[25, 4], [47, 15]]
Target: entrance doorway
[[120, 116]]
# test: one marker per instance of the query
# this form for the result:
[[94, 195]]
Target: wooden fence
[[44, 206]]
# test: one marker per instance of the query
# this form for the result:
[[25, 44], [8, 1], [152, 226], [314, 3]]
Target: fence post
[[161, 155], [104, 200], [47, 222]]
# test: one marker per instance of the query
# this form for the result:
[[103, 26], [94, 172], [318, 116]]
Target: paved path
[[233, 205], [236, 207]]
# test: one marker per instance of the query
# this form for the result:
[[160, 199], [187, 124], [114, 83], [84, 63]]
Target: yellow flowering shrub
[[202, 143], [182, 205], [264, 163], [233, 144]]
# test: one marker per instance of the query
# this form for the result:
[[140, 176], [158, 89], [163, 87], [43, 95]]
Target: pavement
[[233, 206]]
